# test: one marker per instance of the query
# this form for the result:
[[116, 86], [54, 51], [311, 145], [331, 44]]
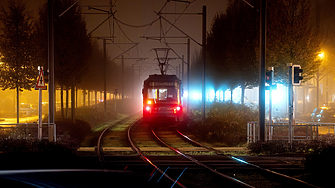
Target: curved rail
[[99, 148], [245, 162], [234, 180], [145, 159]]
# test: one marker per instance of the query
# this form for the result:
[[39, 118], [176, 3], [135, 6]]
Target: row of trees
[[233, 43], [24, 46]]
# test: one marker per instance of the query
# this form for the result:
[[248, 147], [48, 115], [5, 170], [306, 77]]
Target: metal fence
[[279, 131], [25, 131]]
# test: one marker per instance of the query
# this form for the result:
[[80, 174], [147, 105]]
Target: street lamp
[[321, 55]]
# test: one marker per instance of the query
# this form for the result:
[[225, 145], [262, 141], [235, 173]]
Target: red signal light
[[178, 108], [147, 108]]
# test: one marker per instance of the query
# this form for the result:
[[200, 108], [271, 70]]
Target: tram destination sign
[[162, 84]]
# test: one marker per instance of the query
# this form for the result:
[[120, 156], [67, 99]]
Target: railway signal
[[269, 77], [296, 75]]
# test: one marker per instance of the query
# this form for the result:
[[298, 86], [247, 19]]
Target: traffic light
[[268, 77], [296, 75]]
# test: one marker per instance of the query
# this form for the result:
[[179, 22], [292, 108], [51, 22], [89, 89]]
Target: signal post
[[40, 85], [294, 79]]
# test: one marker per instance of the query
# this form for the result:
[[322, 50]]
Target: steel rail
[[245, 162], [145, 159], [99, 148], [234, 180]]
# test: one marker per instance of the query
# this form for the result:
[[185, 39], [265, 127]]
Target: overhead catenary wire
[[136, 26]]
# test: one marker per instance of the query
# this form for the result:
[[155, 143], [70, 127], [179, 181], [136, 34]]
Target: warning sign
[[40, 81]]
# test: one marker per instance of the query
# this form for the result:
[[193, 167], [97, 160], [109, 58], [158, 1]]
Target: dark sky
[[139, 12]]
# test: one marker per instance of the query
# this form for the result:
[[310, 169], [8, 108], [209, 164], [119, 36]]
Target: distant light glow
[[186, 94], [321, 55], [279, 94], [221, 96], [211, 95], [196, 96], [237, 92], [227, 95]]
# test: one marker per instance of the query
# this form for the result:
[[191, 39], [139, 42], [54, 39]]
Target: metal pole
[[290, 102], [188, 75], [248, 135], [122, 80], [204, 62], [105, 75], [270, 104], [317, 88], [182, 69], [261, 118], [52, 126], [132, 81], [39, 132]]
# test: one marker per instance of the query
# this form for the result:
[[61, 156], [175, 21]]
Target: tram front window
[[162, 94]]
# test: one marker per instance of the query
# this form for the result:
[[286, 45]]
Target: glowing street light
[[321, 55]]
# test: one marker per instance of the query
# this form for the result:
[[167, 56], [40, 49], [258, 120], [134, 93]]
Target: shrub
[[72, 133], [21, 145], [282, 146], [269, 147], [321, 164], [225, 123]]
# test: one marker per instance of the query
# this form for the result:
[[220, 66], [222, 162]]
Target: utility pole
[[290, 103], [188, 75], [271, 69], [51, 125], [204, 63], [122, 80], [261, 118], [105, 75]]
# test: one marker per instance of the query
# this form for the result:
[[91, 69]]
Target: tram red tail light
[[177, 109], [148, 108]]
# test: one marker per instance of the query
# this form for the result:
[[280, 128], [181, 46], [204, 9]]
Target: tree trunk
[[231, 95], [17, 105], [61, 102], [72, 100], [89, 98], [96, 97], [76, 96], [67, 102], [242, 94], [84, 97]]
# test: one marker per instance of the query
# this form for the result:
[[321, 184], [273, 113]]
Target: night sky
[[140, 12]]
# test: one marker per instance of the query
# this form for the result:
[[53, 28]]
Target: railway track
[[136, 136], [211, 168]]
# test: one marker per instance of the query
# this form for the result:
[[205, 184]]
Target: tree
[[19, 48], [233, 42], [72, 44], [291, 38], [231, 46]]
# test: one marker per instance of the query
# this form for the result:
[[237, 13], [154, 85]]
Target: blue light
[[227, 95], [196, 96], [237, 95]]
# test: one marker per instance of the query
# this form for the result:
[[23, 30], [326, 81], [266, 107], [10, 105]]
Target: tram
[[162, 99]]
